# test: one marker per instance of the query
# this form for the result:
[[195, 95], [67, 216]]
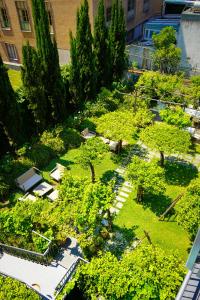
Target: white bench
[[27, 180]]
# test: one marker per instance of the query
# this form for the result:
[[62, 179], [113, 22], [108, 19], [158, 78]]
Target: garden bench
[[29, 179], [58, 172]]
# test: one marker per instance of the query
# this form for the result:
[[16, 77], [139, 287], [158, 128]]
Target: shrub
[[41, 155], [53, 141], [4, 188], [71, 137]]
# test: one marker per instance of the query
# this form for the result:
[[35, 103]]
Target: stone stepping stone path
[[119, 205], [125, 195], [122, 188], [114, 210], [120, 199], [126, 189]]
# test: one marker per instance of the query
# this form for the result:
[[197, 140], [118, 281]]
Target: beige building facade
[[16, 23]]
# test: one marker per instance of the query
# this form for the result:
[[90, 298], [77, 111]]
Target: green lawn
[[69, 160], [166, 234], [15, 78]]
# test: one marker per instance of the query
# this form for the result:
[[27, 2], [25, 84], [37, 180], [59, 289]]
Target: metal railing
[[42, 258]]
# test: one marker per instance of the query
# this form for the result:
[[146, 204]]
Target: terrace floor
[[43, 279]]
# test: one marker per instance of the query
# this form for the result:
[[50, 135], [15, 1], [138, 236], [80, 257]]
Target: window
[[146, 5], [11, 52], [131, 9], [22, 11], [108, 14], [131, 5], [50, 16], [5, 24]]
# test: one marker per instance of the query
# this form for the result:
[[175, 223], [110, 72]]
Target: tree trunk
[[119, 148], [92, 172], [162, 158], [140, 193]]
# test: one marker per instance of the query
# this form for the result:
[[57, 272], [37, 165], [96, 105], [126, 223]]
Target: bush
[[53, 141], [71, 137], [4, 188], [41, 155]]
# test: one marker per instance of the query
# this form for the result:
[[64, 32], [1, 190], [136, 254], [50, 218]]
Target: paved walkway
[[41, 278]]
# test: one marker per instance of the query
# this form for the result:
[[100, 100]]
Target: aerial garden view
[[100, 158]]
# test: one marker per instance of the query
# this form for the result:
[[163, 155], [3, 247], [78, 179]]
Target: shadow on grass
[[65, 163], [179, 171], [122, 239], [128, 152], [108, 176], [157, 203]]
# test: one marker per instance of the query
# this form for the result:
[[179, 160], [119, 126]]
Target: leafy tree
[[166, 56], [188, 210], [117, 40], [10, 118], [34, 91], [146, 176], [164, 87], [101, 49], [92, 152], [82, 58], [175, 116], [48, 53], [13, 289], [143, 117], [166, 139], [192, 91], [145, 273], [117, 126]]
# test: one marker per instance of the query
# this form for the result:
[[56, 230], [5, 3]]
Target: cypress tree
[[101, 49], [47, 50], [34, 90], [83, 58], [9, 109], [117, 40], [4, 142]]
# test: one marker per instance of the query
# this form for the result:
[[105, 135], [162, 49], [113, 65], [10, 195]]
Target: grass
[[166, 234], [15, 78], [69, 160]]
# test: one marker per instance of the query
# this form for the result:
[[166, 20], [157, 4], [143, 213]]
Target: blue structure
[[156, 25]]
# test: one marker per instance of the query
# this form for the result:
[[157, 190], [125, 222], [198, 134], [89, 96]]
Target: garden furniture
[[58, 172], [29, 179], [42, 189]]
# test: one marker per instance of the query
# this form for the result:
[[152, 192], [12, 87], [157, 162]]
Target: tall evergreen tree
[[47, 50], [83, 58], [4, 142], [117, 40], [101, 48], [9, 109], [33, 87]]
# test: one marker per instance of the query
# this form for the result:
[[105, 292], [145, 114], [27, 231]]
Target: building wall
[[64, 19], [189, 41]]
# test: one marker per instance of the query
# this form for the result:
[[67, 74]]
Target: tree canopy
[[166, 139], [188, 215], [91, 152], [117, 125], [13, 289], [175, 116], [146, 176], [145, 273], [167, 56]]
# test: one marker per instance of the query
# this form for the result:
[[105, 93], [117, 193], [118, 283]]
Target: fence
[[43, 258]]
